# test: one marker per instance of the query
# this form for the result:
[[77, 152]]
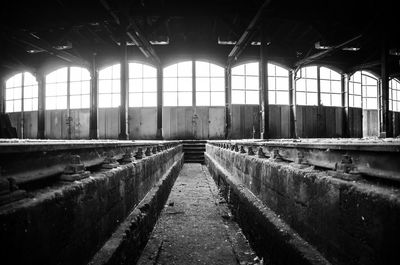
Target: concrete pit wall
[[68, 222], [348, 222]]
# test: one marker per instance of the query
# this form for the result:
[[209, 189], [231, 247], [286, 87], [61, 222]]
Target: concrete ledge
[[269, 235], [349, 222], [68, 222], [128, 241]]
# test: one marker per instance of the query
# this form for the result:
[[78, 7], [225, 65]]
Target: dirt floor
[[196, 226]]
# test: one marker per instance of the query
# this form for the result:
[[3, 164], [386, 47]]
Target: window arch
[[330, 87], [72, 82], [110, 87], [363, 90], [21, 93], [210, 84], [177, 84], [307, 86], [245, 84], [142, 85], [394, 95], [278, 84]]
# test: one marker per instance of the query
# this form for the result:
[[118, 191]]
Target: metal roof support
[[248, 34]]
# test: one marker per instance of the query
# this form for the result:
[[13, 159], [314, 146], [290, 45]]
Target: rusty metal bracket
[[75, 170]]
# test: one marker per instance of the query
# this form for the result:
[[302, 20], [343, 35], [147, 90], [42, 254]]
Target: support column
[[41, 105], [159, 135], [228, 100], [123, 113], [345, 104], [385, 117], [264, 103], [292, 105], [93, 128], [2, 95]]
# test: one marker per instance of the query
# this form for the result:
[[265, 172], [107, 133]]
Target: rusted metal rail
[[27, 161], [374, 159]]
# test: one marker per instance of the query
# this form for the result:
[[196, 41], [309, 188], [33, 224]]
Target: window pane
[[135, 70], [282, 83], [217, 71], [135, 85], [238, 82], [217, 84], [104, 86], [85, 87], [238, 97], [9, 106], [116, 84], [150, 85], [336, 87], [325, 73], [217, 98], [28, 106], [171, 71], [61, 102], [149, 71], [28, 92], [203, 98], [252, 69], [202, 84], [135, 100], [170, 99], [271, 83], [149, 99], [301, 85], [170, 84], [185, 99], [336, 100], [312, 85], [252, 83], [282, 97], [185, 69], [184, 84], [272, 97], [75, 102], [202, 69], [104, 100], [252, 97], [75, 88], [17, 105], [325, 86], [325, 99], [238, 70], [312, 99], [85, 102], [51, 103], [281, 71], [17, 92], [116, 100], [271, 69]]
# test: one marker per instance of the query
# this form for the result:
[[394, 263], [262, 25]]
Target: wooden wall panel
[[245, 118], [30, 124], [216, 124], [355, 122], [108, 123], [178, 123], [15, 119], [56, 126], [279, 121], [370, 123], [142, 123], [80, 120], [396, 124]]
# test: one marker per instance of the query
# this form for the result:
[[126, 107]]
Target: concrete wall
[[67, 223], [349, 222]]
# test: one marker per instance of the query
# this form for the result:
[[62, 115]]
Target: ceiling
[[34, 33]]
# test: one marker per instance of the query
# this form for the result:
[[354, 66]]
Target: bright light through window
[[142, 85], [110, 87], [394, 95], [210, 84], [245, 84], [307, 86], [331, 87], [56, 89], [355, 95], [369, 91], [79, 88], [278, 85], [14, 93], [177, 84]]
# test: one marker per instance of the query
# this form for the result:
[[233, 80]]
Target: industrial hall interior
[[217, 132]]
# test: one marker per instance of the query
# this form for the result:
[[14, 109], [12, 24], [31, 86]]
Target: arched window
[[56, 89], [330, 87], [210, 84], [72, 82], [142, 85], [110, 87], [363, 86], [307, 86], [394, 95], [79, 88], [177, 84], [245, 84], [355, 91], [278, 85], [21, 91]]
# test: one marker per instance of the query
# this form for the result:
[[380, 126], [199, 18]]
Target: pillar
[[123, 114], [345, 105], [264, 103], [2, 95], [384, 113], [93, 127], [228, 105], [41, 104], [292, 105], [159, 135]]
